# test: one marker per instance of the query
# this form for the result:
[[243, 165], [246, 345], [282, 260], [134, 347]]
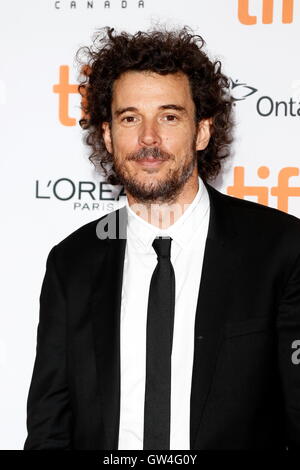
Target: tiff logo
[[267, 12]]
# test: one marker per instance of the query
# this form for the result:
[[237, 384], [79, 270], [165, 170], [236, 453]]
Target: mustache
[[153, 152]]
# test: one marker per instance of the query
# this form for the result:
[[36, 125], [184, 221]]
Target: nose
[[149, 134]]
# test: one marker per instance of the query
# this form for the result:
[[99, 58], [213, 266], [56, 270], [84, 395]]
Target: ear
[[203, 134], [107, 136]]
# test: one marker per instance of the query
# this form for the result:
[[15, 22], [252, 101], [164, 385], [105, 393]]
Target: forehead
[[134, 87]]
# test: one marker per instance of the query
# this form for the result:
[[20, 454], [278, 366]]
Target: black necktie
[[160, 320]]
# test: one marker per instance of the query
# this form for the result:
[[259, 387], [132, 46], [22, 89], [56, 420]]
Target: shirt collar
[[182, 231]]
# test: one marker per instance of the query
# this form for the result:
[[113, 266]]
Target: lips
[[150, 161]]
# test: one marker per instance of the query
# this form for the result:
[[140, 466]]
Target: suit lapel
[[219, 263], [106, 306]]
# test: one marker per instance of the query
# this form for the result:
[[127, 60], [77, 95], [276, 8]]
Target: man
[[173, 322]]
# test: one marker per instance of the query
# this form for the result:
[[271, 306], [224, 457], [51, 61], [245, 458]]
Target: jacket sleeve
[[288, 327], [48, 404]]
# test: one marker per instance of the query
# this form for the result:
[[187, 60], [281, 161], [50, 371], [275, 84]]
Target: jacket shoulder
[[84, 239], [245, 207], [256, 219]]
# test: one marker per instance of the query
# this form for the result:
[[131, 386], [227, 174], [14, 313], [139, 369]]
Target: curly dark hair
[[163, 52]]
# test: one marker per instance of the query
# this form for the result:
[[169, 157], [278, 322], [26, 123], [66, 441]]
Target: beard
[[165, 190]]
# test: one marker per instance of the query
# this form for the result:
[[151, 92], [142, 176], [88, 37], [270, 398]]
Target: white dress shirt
[[189, 234]]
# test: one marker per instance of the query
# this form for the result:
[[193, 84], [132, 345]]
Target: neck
[[163, 215]]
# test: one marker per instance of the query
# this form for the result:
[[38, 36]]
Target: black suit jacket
[[245, 384]]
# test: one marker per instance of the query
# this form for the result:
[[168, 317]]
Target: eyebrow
[[176, 107]]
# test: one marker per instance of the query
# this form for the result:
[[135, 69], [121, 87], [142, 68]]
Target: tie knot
[[162, 247]]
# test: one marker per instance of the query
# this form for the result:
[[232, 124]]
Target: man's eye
[[171, 117], [128, 119]]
